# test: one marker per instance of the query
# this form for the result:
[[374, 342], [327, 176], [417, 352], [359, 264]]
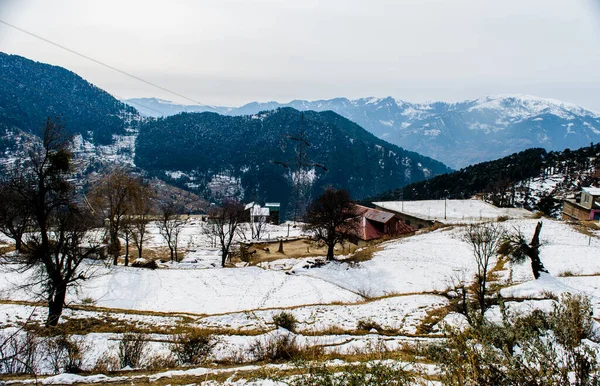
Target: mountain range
[[458, 134], [206, 153]]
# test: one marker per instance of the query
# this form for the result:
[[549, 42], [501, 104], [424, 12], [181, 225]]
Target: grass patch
[[433, 317]]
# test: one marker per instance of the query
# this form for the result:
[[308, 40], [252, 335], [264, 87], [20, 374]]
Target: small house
[[274, 216], [374, 224], [584, 207]]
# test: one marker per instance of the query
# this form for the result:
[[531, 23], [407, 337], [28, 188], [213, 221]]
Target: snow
[[547, 285], [396, 289], [453, 211]]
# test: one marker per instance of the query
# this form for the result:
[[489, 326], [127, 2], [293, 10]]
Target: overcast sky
[[224, 52]]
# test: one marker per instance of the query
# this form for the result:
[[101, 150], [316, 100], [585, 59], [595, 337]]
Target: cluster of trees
[[357, 160], [490, 241], [500, 179], [55, 226], [40, 199], [31, 91]]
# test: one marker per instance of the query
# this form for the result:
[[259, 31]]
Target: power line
[[89, 105], [100, 63]]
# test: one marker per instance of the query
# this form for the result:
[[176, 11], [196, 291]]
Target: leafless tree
[[331, 218], [142, 211], [114, 195], [59, 241], [258, 225], [170, 226], [126, 233], [485, 240], [515, 246], [14, 221], [223, 224]]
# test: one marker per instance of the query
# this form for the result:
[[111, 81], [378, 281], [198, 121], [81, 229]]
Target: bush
[[192, 347], [133, 350], [535, 349], [285, 320], [283, 347], [367, 325], [19, 353], [65, 353], [367, 374]]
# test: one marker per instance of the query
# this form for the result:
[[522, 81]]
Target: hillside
[[458, 134], [31, 91], [534, 179], [203, 150]]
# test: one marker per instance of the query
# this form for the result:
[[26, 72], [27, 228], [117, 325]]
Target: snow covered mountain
[[458, 134]]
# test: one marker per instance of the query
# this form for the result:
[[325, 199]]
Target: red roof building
[[374, 224]]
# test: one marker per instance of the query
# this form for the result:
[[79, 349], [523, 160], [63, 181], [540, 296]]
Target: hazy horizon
[[229, 53]]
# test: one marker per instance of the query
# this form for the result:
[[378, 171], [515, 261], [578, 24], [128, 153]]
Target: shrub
[[133, 350], [19, 353], [367, 374], [283, 347], [192, 347], [367, 325], [285, 320], [65, 353], [535, 349]]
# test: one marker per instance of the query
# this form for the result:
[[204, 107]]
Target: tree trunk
[[55, 305], [223, 257], [172, 252], [330, 251], [126, 249], [140, 251], [115, 247], [537, 267], [18, 244]]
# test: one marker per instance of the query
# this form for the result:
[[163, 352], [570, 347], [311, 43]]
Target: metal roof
[[592, 191], [373, 214]]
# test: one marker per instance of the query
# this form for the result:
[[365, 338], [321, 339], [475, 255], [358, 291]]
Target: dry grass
[[364, 254], [433, 317]]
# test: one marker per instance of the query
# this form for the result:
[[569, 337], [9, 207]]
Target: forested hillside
[[533, 178], [31, 91], [195, 148]]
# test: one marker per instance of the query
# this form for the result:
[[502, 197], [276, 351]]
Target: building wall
[[572, 211], [414, 222]]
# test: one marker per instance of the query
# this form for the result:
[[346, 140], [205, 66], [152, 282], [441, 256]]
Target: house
[[425, 213], [274, 210], [374, 224], [256, 213], [584, 207]]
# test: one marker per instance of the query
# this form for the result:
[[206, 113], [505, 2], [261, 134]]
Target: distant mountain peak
[[458, 133]]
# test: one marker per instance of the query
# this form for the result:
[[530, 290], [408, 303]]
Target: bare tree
[[258, 222], [114, 194], [223, 224], [126, 232], [515, 246], [485, 240], [142, 210], [14, 221], [58, 243], [331, 218], [170, 226]]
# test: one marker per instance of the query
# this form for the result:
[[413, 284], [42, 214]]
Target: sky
[[227, 52]]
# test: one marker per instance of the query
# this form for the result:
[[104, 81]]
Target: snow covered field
[[397, 290]]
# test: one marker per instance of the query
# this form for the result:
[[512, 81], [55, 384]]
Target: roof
[[373, 214], [592, 191], [272, 205], [452, 211]]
